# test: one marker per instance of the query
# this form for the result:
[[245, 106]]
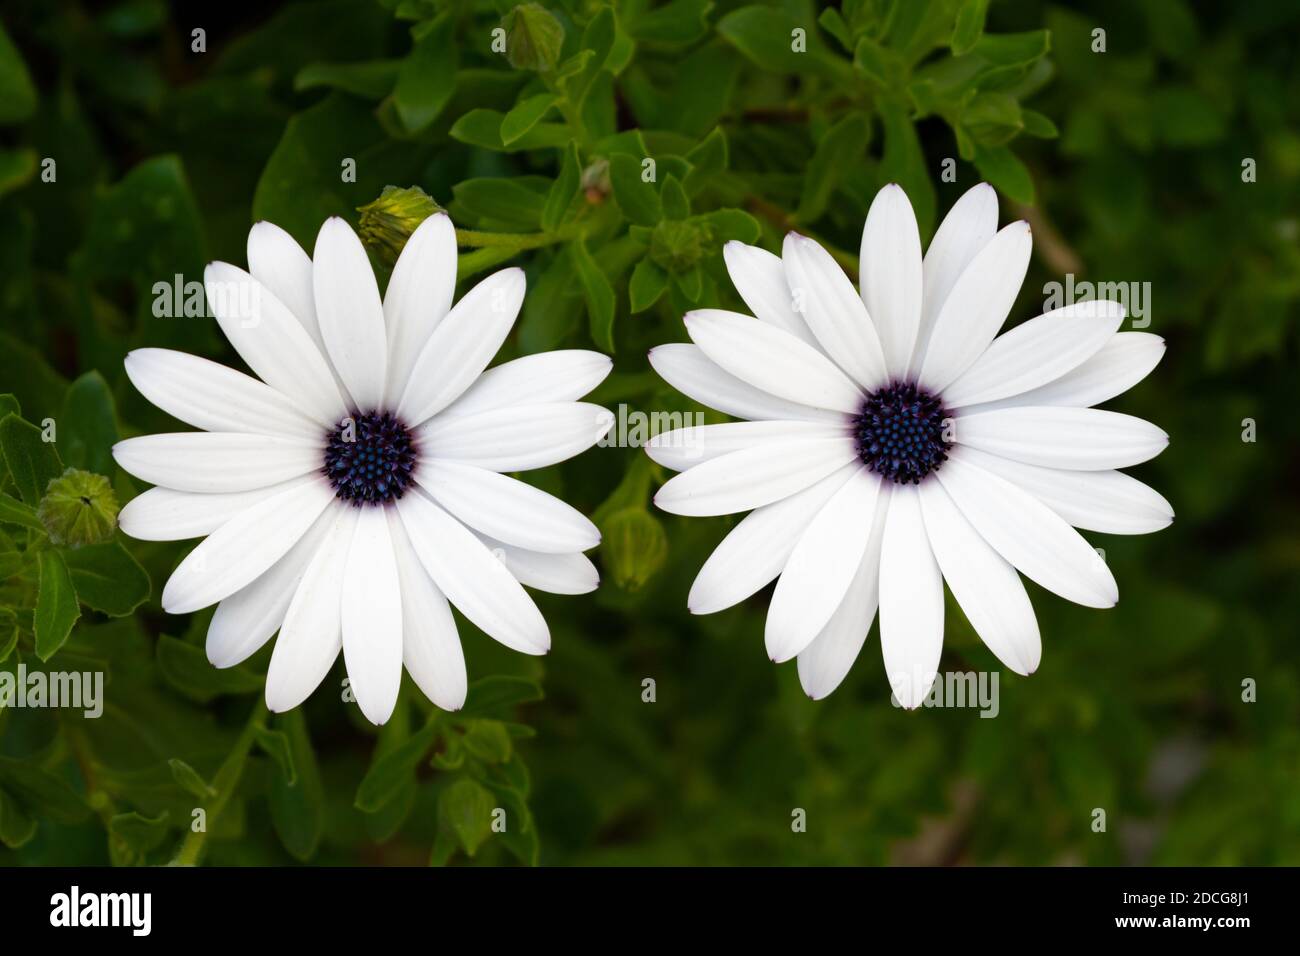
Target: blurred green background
[[1128, 160]]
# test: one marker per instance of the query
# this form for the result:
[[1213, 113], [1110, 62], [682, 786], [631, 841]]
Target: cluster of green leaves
[[610, 149]]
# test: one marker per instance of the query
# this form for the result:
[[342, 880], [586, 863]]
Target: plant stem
[[224, 783], [511, 240]]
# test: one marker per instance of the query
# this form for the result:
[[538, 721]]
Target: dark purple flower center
[[370, 458], [900, 433]]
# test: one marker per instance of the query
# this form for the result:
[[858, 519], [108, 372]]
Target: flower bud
[[634, 546], [387, 222], [79, 508]]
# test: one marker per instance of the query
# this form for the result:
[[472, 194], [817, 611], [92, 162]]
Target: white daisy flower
[[893, 443], [358, 487]]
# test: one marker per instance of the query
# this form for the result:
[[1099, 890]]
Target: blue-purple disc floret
[[370, 458], [901, 433]]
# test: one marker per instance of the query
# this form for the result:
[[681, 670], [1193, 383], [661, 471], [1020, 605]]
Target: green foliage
[[610, 149]]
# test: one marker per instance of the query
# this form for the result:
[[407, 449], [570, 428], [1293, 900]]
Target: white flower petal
[[1107, 501], [245, 546], [430, 645], [213, 397], [273, 342], [463, 344], [245, 620], [772, 360], [560, 376], [1036, 352], [217, 461], [970, 224], [830, 305], [891, 275], [508, 509], [686, 368], [277, 261], [756, 549], [977, 306], [419, 294], [1083, 439], [759, 277], [825, 662], [472, 578], [1126, 359], [372, 617], [684, 448], [312, 633], [989, 590], [1037, 541], [552, 573], [350, 313], [164, 514], [753, 476], [820, 567], [516, 438], [911, 601]]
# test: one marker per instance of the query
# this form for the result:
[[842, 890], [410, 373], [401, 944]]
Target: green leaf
[[372, 79], [638, 199], [17, 94], [33, 463], [298, 805], [765, 35], [17, 827], [275, 744], [466, 807], [599, 295], [395, 769], [969, 27], [505, 201], [903, 162], [1005, 172], [707, 160], [17, 169], [1013, 49], [598, 39], [41, 792], [13, 511], [533, 38], [647, 284], [189, 780], [676, 23], [1036, 124], [728, 224], [488, 740], [56, 605], [525, 115], [499, 695], [838, 155], [88, 425], [482, 127], [8, 638], [428, 76], [107, 577], [132, 836], [563, 190], [677, 205], [186, 668]]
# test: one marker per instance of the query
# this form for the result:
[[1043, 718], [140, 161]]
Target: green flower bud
[[676, 246], [388, 222], [533, 38], [634, 547], [79, 508]]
